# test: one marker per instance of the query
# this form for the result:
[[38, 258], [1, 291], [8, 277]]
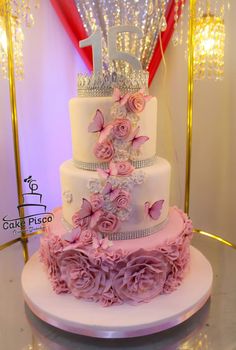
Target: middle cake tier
[[143, 200]]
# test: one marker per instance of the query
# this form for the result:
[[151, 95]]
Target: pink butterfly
[[112, 171], [86, 211], [137, 141], [154, 210], [101, 243], [118, 98], [97, 125], [73, 235], [107, 190]]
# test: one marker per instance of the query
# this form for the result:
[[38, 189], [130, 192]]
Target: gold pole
[[216, 237], [8, 244], [12, 91], [192, 5]]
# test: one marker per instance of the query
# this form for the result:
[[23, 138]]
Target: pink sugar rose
[[104, 150], [124, 168], [83, 278], [121, 128], [78, 222], [86, 237], [177, 266], [122, 200], [107, 223], [109, 298], [96, 201], [142, 278], [50, 249], [136, 102]]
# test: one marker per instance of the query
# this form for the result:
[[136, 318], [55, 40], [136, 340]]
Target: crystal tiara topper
[[102, 83]]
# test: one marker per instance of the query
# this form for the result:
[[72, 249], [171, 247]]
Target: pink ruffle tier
[[129, 271]]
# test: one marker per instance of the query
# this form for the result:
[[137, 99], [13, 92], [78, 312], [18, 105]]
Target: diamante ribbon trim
[[94, 166], [121, 236]]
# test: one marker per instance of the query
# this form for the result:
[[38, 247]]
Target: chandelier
[[208, 37], [19, 12], [209, 42]]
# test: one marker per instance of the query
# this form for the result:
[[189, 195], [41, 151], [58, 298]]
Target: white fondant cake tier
[[82, 111], [155, 187]]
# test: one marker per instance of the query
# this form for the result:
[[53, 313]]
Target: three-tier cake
[[115, 240]]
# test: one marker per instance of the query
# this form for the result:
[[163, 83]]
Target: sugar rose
[[104, 150], [86, 237], [122, 200], [50, 249], [136, 102], [142, 278], [83, 278], [96, 201], [124, 168], [121, 128], [108, 223]]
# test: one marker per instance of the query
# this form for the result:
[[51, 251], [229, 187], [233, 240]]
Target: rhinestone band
[[94, 166], [102, 84], [121, 236]]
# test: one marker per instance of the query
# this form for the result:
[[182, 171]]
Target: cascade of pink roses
[[119, 144]]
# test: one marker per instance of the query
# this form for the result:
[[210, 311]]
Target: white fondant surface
[[82, 111], [88, 318], [154, 188]]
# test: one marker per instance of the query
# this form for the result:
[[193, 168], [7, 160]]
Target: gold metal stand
[[12, 91], [192, 13], [190, 105]]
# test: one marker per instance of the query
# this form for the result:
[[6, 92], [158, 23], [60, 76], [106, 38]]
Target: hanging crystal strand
[[163, 23], [181, 31], [222, 10], [36, 4], [220, 62], [175, 37], [150, 8]]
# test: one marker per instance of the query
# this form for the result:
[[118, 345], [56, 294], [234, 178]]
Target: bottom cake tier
[[116, 272]]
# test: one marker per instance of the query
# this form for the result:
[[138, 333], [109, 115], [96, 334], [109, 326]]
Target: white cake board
[[87, 318]]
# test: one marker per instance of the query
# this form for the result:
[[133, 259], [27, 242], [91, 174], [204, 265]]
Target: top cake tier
[[82, 113]]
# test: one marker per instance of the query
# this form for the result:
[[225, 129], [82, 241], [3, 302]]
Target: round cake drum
[[91, 319]]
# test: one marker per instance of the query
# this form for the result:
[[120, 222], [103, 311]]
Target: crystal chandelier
[[209, 42], [20, 15], [208, 37]]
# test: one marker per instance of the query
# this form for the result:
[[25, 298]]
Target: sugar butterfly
[[108, 190], [137, 141], [86, 211], [101, 243], [118, 98], [97, 125], [73, 235], [154, 210], [112, 171]]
